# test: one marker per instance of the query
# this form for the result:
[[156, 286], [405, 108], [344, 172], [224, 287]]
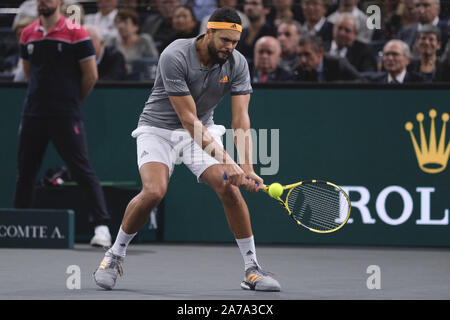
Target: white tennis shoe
[[102, 237], [259, 280], [108, 271]]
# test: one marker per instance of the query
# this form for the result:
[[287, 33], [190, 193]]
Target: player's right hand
[[235, 175], [254, 182]]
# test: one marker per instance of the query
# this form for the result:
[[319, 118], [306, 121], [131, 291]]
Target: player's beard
[[214, 54], [46, 11]]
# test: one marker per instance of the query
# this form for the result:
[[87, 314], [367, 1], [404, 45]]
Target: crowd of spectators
[[283, 40]]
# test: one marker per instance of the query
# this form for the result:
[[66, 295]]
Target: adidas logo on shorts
[[143, 154]]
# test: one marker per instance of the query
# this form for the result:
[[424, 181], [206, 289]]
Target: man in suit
[[288, 34], [396, 57], [316, 66], [351, 7], [266, 62], [315, 22], [110, 61], [445, 63], [159, 24], [346, 45], [427, 13], [256, 11]]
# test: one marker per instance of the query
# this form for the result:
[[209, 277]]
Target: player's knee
[[153, 194], [229, 193]]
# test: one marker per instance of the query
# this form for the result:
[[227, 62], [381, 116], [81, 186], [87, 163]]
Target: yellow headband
[[224, 25]]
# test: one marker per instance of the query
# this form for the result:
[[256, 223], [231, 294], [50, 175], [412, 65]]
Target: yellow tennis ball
[[275, 190]]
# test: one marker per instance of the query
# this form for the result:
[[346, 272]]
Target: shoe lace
[[261, 270], [115, 264]]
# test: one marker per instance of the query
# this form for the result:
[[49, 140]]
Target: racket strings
[[316, 222], [319, 222], [312, 194], [318, 206], [328, 214], [321, 214]]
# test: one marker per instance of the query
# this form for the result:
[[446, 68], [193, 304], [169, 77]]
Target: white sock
[[248, 252], [121, 244]]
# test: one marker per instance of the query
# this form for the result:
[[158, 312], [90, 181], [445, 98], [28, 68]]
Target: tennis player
[[193, 75]]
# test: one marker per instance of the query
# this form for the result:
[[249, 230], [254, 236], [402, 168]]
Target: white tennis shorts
[[173, 147]]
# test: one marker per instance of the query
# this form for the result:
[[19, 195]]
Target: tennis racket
[[319, 206]]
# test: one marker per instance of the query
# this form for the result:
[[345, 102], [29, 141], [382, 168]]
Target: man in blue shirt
[[59, 63]]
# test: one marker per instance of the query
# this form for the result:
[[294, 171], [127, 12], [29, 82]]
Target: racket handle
[[225, 177]]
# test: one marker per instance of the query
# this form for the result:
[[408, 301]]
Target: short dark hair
[[315, 42], [429, 28], [267, 3], [127, 13], [188, 8], [225, 14]]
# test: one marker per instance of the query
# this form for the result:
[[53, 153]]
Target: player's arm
[[85, 54], [242, 136], [24, 56], [187, 113], [26, 69], [89, 76]]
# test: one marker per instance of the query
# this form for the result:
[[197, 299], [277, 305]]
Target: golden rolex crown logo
[[431, 156]]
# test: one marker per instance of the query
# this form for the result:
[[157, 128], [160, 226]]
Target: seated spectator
[[284, 10], [427, 13], [104, 19], [110, 61], [346, 45], [445, 63], [256, 11], [315, 22], [28, 9], [390, 22], [288, 35], [265, 64], [133, 46], [202, 8], [408, 12], [316, 66], [184, 24], [225, 3], [428, 65], [73, 11], [159, 25], [351, 7], [142, 7], [11, 64], [396, 57]]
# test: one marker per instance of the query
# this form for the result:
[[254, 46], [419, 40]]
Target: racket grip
[[225, 177]]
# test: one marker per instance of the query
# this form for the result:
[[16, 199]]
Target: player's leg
[[33, 141], [156, 162], [69, 138], [236, 209], [155, 179], [238, 218], [208, 170]]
